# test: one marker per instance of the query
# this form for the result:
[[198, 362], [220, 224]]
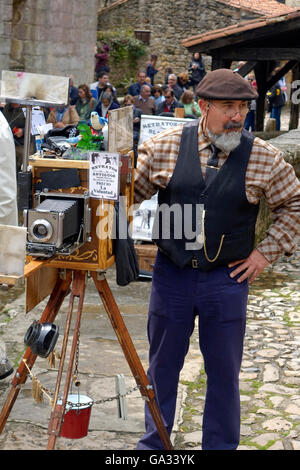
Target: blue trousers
[[276, 114], [177, 296], [250, 121]]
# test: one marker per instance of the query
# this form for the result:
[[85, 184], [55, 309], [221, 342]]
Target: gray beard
[[225, 142]]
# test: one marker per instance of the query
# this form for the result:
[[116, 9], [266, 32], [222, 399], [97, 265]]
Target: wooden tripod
[[78, 280]]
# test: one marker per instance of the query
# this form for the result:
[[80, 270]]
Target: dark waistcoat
[[230, 219]]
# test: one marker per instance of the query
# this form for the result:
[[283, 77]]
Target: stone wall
[[170, 22], [49, 37], [6, 14]]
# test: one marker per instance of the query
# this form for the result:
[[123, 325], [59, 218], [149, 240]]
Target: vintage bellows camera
[[59, 223]]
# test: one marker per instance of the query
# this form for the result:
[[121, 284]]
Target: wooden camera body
[[96, 253]]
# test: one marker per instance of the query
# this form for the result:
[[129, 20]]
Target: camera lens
[[41, 230]]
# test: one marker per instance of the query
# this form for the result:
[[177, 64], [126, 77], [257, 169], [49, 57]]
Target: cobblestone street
[[270, 374]]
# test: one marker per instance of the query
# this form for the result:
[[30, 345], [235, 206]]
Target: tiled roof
[[239, 28], [263, 7]]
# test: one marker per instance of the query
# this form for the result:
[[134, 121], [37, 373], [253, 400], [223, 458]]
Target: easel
[[77, 280]]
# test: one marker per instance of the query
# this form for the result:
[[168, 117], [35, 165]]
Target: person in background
[[191, 107], [106, 104], [135, 88], [15, 117], [97, 88], [101, 59], [276, 99], [8, 180], [85, 104], [168, 71], [137, 113], [250, 117], [170, 103], [110, 89], [196, 70], [172, 83], [63, 116], [151, 69], [145, 101], [183, 81], [73, 92], [157, 94]]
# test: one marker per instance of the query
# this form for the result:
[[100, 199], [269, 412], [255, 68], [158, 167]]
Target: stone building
[[58, 36], [49, 36], [168, 23]]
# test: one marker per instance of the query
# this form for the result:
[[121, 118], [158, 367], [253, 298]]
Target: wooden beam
[[217, 62], [285, 69], [262, 72], [242, 36], [246, 68], [260, 53], [294, 110]]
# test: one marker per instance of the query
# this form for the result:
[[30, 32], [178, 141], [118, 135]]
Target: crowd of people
[[145, 95]]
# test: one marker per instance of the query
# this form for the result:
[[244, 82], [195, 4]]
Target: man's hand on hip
[[252, 266]]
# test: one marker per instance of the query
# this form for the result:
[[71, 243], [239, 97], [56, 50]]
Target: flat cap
[[224, 84]]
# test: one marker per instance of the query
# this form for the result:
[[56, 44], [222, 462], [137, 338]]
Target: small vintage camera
[[58, 224]]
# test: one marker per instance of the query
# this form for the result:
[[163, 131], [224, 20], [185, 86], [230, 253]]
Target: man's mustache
[[233, 125]]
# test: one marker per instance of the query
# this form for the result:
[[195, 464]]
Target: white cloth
[[8, 183]]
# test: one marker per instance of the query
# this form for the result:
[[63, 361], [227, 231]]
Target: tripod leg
[[130, 353], [57, 413], [54, 303]]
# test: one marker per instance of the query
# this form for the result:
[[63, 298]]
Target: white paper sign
[[38, 119], [143, 219], [104, 175], [152, 125]]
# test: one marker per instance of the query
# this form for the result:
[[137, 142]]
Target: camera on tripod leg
[[58, 224]]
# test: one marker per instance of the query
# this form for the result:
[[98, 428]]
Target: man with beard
[[210, 175]]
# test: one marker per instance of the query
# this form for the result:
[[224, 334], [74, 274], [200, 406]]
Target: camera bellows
[[54, 221]]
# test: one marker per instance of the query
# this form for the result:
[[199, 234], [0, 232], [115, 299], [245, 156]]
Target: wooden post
[[261, 75], [295, 95]]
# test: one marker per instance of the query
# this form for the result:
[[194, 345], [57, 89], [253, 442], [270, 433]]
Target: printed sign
[[38, 120], [152, 125], [143, 220], [104, 175]]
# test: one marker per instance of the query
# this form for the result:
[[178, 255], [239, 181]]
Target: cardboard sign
[[120, 129], [104, 175]]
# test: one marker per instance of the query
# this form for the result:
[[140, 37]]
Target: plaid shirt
[[268, 175]]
